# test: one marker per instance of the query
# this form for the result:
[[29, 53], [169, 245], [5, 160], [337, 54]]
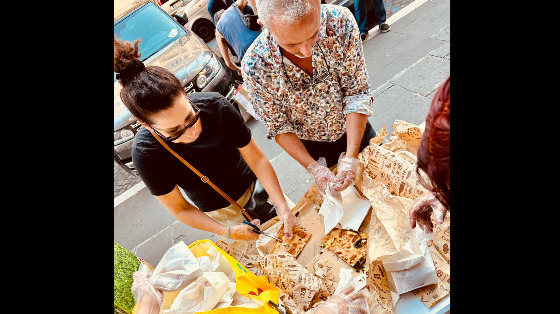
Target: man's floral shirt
[[287, 100]]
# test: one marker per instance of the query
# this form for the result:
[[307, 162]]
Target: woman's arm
[[257, 161], [259, 164], [191, 216], [188, 214]]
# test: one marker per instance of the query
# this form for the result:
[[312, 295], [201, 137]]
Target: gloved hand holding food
[[243, 232], [421, 210], [321, 174], [345, 302], [346, 173], [290, 221]]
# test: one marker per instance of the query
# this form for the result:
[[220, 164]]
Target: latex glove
[[421, 210], [346, 173], [243, 231], [321, 174], [290, 221], [346, 301], [149, 297]]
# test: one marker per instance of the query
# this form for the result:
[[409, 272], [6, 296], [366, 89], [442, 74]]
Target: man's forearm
[[355, 127], [295, 148]]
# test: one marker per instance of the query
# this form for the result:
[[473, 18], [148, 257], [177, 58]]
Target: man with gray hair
[[307, 80]]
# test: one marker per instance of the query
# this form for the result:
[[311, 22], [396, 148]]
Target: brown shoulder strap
[[204, 178]]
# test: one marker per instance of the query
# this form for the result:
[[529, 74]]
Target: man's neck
[[306, 64]]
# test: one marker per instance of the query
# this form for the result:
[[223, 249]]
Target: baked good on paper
[[295, 245], [348, 245]]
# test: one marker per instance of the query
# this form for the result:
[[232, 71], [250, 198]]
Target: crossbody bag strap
[[203, 178]]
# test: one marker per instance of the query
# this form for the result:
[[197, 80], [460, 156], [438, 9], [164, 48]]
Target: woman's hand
[[421, 211], [243, 231]]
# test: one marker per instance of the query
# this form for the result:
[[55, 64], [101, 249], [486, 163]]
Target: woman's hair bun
[[127, 63]]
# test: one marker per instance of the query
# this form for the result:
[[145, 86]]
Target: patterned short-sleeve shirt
[[287, 100]]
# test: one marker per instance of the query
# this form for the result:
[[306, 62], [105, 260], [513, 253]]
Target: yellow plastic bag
[[247, 284]]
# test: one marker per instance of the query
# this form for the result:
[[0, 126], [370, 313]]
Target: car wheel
[[204, 29]]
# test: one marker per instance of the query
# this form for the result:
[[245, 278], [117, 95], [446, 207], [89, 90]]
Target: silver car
[[193, 15], [167, 44]]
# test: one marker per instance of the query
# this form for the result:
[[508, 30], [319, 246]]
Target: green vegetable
[[125, 264]]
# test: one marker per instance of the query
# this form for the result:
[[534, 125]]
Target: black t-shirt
[[214, 153]]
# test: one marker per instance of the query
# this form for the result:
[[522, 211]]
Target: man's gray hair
[[283, 11]]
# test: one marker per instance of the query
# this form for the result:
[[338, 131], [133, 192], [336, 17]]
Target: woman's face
[[180, 117]]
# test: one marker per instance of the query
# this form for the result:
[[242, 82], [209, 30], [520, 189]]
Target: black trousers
[[332, 150]]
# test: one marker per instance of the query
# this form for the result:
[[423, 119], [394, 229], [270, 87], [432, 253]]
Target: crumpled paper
[[288, 275], [210, 285], [177, 268]]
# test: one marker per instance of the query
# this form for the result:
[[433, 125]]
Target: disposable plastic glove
[[148, 297], [290, 221], [321, 174], [346, 173], [243, 231], [421, 210], [345, 302]]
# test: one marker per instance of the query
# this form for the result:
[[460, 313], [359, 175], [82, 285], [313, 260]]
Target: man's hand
[[321, 174], [346, 173]]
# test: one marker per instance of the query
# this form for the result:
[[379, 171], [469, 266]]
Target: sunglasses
[[178, 134]]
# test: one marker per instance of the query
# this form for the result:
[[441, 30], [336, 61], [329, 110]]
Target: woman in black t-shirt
[[206, 131]]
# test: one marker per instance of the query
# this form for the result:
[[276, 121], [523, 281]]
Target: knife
[[258, 231]]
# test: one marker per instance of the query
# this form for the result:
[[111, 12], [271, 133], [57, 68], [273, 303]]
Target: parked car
[[198, 18], [168, 44]]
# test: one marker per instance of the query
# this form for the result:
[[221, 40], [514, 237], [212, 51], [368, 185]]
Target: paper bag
[[430, 295], [420, 275]]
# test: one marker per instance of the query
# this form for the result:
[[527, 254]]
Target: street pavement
[[406, 66]]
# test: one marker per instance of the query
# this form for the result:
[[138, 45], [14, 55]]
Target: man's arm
[[355, 127], [295, 148]]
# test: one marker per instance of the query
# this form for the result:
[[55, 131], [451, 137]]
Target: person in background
[[217, 5], [434, 159], [363, 14], [308, 83], [207, 131], [232, 32]]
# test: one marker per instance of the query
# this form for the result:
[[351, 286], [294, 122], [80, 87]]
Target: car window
[[155, 27]]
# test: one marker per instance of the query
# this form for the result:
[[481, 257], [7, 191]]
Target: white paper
[[332, 211], [177, 268], [355, 209], [201, 295], [346, 279], [350, 213], [420, 275]]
